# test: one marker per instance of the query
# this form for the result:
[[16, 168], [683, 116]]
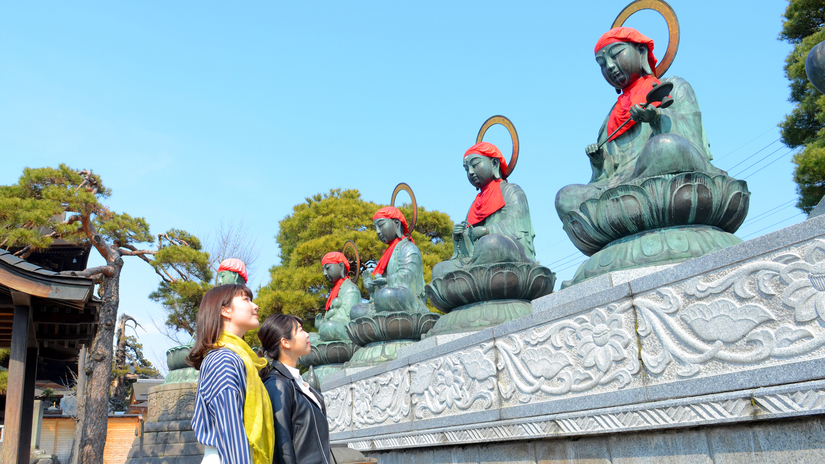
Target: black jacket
[[301, 429]]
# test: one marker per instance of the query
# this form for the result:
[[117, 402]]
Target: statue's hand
[[639, 114], [478, 232], [595, 153], [319, 318], [379, 281], [459, 230]]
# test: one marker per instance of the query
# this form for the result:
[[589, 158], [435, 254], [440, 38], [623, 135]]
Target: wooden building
[[42, 315], [57, 436]]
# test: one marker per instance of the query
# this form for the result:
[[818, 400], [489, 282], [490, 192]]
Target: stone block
[[671, 447], [517, 452], [587, 450], [777, 443]]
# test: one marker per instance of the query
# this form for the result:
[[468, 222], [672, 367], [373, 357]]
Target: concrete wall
[[781, 442]]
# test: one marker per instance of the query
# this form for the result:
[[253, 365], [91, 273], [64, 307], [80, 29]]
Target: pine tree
[[62, 203], [805, 126], [322, 224]]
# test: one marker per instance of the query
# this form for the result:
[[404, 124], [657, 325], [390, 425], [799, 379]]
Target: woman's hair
[[275, 328], [210, 322]]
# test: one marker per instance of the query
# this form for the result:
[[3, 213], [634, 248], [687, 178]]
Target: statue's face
[[481, 170], [334, 272], [621, 63], [388, 229]]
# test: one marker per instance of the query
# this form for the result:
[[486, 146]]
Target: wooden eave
[[63, 310]]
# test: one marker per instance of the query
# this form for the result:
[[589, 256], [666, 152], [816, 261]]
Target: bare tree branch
[[233, 240], [91, 272]]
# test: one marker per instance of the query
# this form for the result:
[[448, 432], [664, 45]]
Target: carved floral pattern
[[382, 398], [730, 321], [540, 359], [339, 411], [455, 381]]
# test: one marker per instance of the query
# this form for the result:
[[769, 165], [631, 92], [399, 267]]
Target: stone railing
[[734, 336]]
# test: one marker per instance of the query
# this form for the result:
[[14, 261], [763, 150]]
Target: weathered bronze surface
[[396, 314], [493, 259], [654, 196], [674, 33]]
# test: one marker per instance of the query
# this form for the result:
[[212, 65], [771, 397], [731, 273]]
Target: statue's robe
[[509, 239], [675, 142], [336, 319]]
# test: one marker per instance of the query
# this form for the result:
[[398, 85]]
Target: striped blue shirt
[[218, 418]]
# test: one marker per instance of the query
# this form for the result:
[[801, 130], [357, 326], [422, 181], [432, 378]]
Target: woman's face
[[299, 344], [242, 313]]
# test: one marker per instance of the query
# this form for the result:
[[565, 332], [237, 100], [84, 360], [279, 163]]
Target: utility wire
[[577, 263], [746, 144], [759, 161], [577, 256], [763, 167], [751, 156], [774, 224], [754, 219], [552, 245]]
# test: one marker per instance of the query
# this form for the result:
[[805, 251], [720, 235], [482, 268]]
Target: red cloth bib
[[635, 93], [385, 258], [487, 202], [334, 293]]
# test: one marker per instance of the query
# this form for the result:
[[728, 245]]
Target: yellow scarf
[[257, 410]]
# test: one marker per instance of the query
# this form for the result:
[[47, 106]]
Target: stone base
[[324, 370], [185, 375], [377, 352], [167, 436], [167, 442], [784, 441], [655, 247], [481, 315]]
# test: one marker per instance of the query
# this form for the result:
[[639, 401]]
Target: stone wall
[[780, 442], [734, 337]]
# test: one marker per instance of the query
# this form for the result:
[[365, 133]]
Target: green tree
[[68, 204], [129, 364], [804, 126], [322, 224]]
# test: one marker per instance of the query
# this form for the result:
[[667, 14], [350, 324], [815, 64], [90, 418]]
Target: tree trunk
[[119, 388], [99, 368]]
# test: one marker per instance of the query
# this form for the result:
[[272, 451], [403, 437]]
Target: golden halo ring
[[351, 244], [661, 7], [406, 188], [498, 119]]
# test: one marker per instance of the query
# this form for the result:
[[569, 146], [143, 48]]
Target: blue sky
[[200, 112]]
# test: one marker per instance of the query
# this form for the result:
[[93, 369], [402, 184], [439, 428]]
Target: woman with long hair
[[301, 429], [233, 415]]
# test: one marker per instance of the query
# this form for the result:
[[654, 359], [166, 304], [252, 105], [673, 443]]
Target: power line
[[758, 161], [763, 167], [574, 264], [754, 219], [575, 256], [774, 224], [746, 144], [552, 245], [751, 156]]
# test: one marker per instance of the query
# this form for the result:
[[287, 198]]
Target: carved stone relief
[[588, 353], [460, 382], [762, 313], [381, 399]]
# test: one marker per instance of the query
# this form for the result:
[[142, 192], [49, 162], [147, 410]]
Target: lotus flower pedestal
[[179, 370], [478, 297], [381, 335], [328, 357], [659, 220]]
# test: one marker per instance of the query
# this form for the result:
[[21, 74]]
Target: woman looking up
[[301, 429], [233, 416]]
